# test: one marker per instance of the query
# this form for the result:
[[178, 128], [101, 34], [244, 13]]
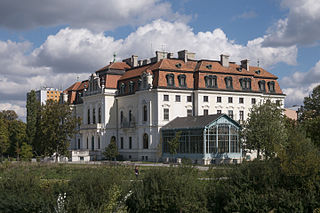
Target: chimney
[[245, 64], [183, 55], [161, 55], [224, 60], [133, 61], [170, 55]]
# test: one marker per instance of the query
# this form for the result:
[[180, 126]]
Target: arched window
[[170, 79], [92, 143], [245, 83], [121, 117], [94, 115], [113, 139], [145, 113], [145, 141], [228, 81], [182, 80], [130, 116], [262, 86], [211, 81], [79, 143], [131, 87], [271, 86], [122, 88]]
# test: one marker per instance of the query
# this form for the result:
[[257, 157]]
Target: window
[[228, 81], [230, 113], [271, 86], [182, 80], [189, 112], [245, 83], [211, 81], [241, 116], [94, 115], [205, 112], [122, 88], [88, 116], [262, 86], [145, 141], [130, 116], [130, 142], [121, 143], [98, 142], [218, 99], [121, 117], [165, 97], [145, 113], [92, 143], [78, 143], [99, 115], [219, 111], [189, 98], [253, 101], [205, 99], [166, 114], [241, 101], [230, 100], [131, 87], [170, 79], [87, 143], [278, 102], [178, 98]]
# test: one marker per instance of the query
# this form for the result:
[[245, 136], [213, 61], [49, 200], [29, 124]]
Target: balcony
[[91, 126]]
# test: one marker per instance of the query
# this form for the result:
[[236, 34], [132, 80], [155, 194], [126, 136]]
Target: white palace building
[[134, 101]]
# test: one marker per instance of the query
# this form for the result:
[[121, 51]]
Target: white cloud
[[300, 85], [78, 52], [97, 15], [301, 26], [19, 109]]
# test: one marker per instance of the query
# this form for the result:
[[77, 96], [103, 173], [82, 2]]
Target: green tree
[[111, 151], [33, 121], [17, 135], [58, 125], [8, 115], [309, 116], [26, 152], [4, 137], [265, 129], [174, 143]]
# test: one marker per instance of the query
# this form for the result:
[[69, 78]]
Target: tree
[[174, 143], [58, 125], [17, 135], [265, 129], [4, 137], [26, 152], [309, 116], [33, 119], [9, 115], [111, 151]]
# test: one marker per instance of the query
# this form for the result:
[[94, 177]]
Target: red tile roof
[[115, 66]]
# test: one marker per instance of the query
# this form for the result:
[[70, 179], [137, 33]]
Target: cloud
[[299, 27], [97, 15], [247, 15], [19, 109], [79, 52], [300, 85]]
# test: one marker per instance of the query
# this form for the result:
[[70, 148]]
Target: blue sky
[[51, 43]]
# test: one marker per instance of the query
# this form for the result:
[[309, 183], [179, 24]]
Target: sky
[[54, 43]]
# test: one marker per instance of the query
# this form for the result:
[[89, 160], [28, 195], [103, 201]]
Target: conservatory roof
[[195, 122]]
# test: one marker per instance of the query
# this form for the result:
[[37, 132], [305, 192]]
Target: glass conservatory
[[204, 139]]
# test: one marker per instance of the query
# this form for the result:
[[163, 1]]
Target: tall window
[[205, 112], [245, 83], [241, 101], [218, 99], [130, 116], [131, 87], [79, 143], [99, 115], [182, 80], [271, 86], [189, 112], [94, 115], [121, 143], [87, 143], [253, 101], [99, 142], [211, 81], [121, 117], [228, 81], [241, 116], [130, 142], [92, 142], [122, 88], [145, 141], [230, 113], [88, 116], [165, 114], [145, 113], [170, 79], [230, 99], [165, 97], [178, 98], [262, 86], [189, 98]]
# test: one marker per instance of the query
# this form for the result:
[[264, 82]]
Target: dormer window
[[139, 84], [122, 88], [182, 80], [131, 87], [170, 79], [262, 86], [271, 86], [211, 81], [245, 83], [228, 81]]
